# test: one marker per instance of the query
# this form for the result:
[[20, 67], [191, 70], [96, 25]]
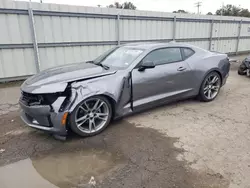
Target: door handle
[[181, 69]]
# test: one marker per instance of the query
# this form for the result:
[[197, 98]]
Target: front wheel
[[210, 87], [91, 116]]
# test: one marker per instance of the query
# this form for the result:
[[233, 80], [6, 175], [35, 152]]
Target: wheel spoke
[[80, 124], [81, 118], [99, 106], [102, 114], [96, 104], [90, 125], [83, 109], [209, 94], [205, 89], [215, 79]]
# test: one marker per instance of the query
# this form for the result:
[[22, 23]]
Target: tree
[[125, 5], [209, 13], [231, 10], [244, 13], [129, 5], [115, 5], [180, 11]]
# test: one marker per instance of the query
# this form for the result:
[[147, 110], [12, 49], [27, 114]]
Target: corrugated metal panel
[[201, 44], [224, 46], [244, 45], [15, 29], [51, 57], [245, 30], [144, 30], [69, 29], [225, 29], [192, 30], [17, 62]]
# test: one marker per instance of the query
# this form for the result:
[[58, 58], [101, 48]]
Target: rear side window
[[187, 52], [164, 55]]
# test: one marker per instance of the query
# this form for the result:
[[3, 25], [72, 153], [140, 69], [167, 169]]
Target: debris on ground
[[92, 181]]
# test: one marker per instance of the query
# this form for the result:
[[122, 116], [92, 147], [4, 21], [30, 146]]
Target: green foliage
[[180, 11], [232, 10], [125, 5]]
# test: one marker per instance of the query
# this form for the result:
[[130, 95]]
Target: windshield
[[120, 57]]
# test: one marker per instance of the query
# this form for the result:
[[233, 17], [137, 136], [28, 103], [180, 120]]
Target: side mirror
[[146, 65]]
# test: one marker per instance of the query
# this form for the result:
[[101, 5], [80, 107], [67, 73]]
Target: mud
[[125, 155]]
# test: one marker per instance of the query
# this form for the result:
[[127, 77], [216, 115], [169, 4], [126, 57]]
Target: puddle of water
[[22, 174], [64, 170]]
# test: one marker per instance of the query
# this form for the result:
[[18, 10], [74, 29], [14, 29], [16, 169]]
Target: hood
[[57, 78]]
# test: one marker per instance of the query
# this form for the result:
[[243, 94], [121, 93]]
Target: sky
[[161, 5]]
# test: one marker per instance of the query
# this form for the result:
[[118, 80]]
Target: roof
[[150, 45]]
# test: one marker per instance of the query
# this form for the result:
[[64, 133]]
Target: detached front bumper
[[43, 118]]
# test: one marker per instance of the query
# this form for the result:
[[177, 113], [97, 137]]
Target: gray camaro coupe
[[85, 97]]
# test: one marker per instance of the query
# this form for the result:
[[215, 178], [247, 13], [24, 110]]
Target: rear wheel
[[91, 116], [210, 87]]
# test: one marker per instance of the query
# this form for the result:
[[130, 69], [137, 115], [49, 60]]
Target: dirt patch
[[11, 84], [125, 155]]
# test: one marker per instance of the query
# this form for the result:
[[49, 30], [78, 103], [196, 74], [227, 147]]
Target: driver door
[[170, 78]]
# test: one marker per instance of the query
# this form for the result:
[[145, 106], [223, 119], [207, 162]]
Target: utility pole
[[222, 9], [198, 5]]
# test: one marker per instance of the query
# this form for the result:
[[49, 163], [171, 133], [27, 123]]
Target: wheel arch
[[208, 72], [111, 100]]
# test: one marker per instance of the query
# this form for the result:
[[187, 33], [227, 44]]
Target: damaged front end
[[46, 111], [48, 107]]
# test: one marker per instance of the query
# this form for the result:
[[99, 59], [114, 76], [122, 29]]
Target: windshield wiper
[[90, 62], [103, 66], [99, 64]]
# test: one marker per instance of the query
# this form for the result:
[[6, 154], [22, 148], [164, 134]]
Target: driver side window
[[164, 56]]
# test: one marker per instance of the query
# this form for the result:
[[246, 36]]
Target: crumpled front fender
[[117, 88], [82, 92]]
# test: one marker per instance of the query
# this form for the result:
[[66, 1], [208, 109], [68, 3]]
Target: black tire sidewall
[[73, 125], [201, 92], [241, 69]]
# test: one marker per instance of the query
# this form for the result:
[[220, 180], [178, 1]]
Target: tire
[[242, 69], [85, 115], [208, 88]]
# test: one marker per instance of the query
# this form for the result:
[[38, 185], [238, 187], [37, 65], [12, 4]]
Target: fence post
[[211, 34], [174, 28], [34, 39], [118, 29], [238, 38]]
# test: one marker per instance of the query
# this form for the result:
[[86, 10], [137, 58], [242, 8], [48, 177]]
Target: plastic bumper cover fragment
[[40, 117]]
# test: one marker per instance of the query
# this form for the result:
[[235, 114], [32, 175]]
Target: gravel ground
[[184, 144]]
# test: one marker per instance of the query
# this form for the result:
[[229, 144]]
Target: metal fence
[[35, 36]]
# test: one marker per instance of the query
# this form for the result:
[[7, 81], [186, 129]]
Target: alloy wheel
[[92, 115], [212, 86]]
